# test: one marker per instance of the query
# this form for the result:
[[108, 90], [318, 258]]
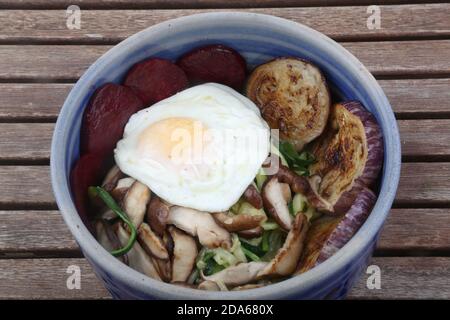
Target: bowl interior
[[258, 38]]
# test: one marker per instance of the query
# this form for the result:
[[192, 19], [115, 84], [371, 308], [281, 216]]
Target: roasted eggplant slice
[[293, 97], [349, 155], [328, 234]]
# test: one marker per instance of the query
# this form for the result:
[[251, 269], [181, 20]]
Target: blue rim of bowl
[[287, 288]]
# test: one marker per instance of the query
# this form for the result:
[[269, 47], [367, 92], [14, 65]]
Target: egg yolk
[[178, 140]]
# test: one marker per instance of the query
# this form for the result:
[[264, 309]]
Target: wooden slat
[[25, 186], [154, 4], [116, 25], [425, 138], [417, 98], [422, 139], [382, 58], [25, 141], [28, 233], [44, 233], [32, 101], [401, 278], [416, 230], [420, 183], [46, 279], [408, 278]]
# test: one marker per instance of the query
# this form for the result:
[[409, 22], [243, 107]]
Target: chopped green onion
[[265, 241], [297, 162], [261, 177], [269, 225], [111, 203], [299, 204], [250, 254]]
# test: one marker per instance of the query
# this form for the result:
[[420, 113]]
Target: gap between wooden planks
[[401, 278], [37, 102], [68, 62], [112, 26]]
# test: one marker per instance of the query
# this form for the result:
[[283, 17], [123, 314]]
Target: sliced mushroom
[[103, 237], [286, 260], [276, 202], [200, 224], [237, 275], [164, 268], [251, 233], [151, 243], [157, 215], [300, 184], [184, 254], [240, 222], [168, 242], [112, 177], [123, 185], [208, 286], [252, 196], [135, 202], [137, 257]]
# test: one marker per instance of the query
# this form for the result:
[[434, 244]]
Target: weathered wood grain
[[44, 233], [421, 139], [410, 98], [25, 141], [420, 183], [419, 98], [32, 101], [47, 279], [112, 26], [68, 62], [154, 4], [33, 233], [416, 231], [401, 278], [25, 186]]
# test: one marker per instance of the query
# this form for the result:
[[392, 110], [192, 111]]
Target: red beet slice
[[86, 172], [155, 79], [215, 63], [105, 117]]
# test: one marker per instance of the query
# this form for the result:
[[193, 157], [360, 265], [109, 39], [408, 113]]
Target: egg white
[[216, 183]]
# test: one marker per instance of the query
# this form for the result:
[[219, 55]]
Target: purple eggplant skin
[[375, 155], [328, 234], [374, 161]]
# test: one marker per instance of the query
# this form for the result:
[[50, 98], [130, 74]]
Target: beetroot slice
[[155, 79], [214, 63], [86, 172], [105, 117]]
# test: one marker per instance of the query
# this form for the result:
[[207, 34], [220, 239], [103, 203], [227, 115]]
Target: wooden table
[[40, 59]]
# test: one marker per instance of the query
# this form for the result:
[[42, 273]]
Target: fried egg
[[200, 148]]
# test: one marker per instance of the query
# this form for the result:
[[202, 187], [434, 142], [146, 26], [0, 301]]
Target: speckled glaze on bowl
[[259, 38]]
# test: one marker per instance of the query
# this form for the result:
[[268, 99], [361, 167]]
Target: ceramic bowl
[[258, 38]]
